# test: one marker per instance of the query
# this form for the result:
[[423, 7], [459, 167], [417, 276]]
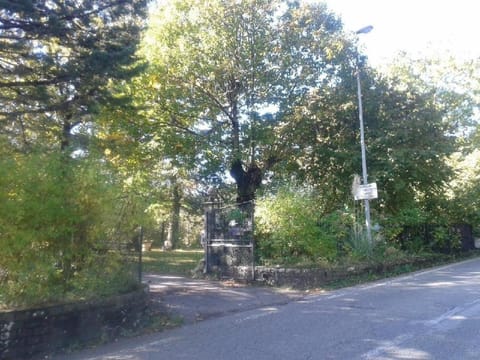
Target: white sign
[[366, 192]]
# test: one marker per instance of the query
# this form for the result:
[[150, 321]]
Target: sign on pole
[[366, 192]]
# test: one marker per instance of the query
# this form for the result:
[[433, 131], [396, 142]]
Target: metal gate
[[229, 243]]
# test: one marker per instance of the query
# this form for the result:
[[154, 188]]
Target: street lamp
[[363, 30]]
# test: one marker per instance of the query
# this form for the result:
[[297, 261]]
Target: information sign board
[[366, 192]]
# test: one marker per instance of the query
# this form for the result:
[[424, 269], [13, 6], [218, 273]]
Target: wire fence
[[129, 247]]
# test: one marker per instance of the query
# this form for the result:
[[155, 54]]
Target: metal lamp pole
[[363, 30]]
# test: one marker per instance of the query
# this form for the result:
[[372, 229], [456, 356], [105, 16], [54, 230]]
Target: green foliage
[[216, 66], [445, 239], [58, 219], [58, 213], [290, 228], [406, 138], [394, 225], [418, 231], [61, 56], [257, 83], [464, 188], [455, 83]]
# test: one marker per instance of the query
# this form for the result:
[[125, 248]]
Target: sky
[[420, 27]]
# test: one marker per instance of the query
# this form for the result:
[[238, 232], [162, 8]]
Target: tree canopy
[[57, 59], [61, 213], [233, 70]]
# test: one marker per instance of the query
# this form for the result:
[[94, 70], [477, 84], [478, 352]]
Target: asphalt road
[[433, 314]]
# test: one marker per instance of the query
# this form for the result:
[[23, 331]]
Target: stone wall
[[228, 260], [34, 333], [300, 278], [316, 277]]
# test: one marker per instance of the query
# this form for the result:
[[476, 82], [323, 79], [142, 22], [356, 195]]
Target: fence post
[[252, 219], [140, 244]]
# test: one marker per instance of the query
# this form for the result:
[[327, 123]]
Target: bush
[[417, 231], [57, 216], [289, 228]]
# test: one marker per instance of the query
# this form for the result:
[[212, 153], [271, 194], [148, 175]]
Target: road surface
[[433, 314]]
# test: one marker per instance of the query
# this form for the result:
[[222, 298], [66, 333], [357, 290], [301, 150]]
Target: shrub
[[417, 231], [57, 216], [290, 228]]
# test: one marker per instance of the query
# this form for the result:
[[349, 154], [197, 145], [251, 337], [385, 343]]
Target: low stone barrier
[[33, 333], [301, 278], [315, 277]]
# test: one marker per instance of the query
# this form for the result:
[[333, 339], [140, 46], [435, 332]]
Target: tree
[[158, 154], [56, 60], [464, 189], [233, 70], [407, 141], [62, 215], [440, 96], [320, 141], [409, 146], [451, 83]]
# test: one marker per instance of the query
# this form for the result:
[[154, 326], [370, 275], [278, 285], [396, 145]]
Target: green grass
[[175, 262]]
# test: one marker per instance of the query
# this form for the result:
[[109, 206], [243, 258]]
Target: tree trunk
[[162, 233], [248, 181], [173, 239], [65, 141]]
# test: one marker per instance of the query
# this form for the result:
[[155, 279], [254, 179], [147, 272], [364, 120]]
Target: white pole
[[362, 139]]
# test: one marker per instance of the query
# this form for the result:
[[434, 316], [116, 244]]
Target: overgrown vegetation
[[291, 229], [60, 226]]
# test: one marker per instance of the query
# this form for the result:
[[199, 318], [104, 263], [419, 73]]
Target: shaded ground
[[178, 262], [194, 300]]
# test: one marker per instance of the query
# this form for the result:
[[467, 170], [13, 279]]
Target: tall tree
[[156, 153], [407, 141], [57, 58], [451, 84], [232, 70], [440, 99]]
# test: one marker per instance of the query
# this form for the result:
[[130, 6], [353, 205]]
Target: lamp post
[[363, 30]]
